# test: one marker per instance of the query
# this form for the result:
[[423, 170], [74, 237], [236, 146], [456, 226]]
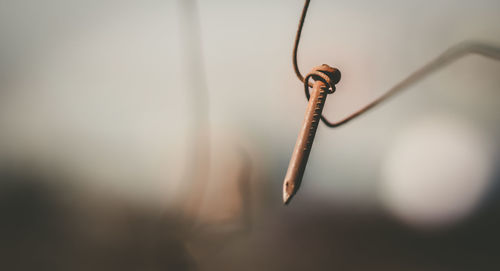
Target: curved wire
[[448, 56], [297, 40]]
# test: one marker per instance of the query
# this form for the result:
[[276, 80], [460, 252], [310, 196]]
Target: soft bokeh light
[[437, 172]]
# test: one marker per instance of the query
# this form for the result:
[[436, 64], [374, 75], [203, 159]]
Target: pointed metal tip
[[286, 198]]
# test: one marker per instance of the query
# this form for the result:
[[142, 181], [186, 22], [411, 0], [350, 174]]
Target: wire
[[297, 40], [451, 54]]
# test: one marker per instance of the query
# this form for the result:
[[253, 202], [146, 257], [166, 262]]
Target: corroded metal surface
[[325, 79]]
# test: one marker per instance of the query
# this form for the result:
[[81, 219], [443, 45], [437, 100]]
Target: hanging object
[[324, 79]]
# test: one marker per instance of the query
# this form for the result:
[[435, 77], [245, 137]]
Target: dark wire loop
[[451, 54], [328, 75], [317, 76]]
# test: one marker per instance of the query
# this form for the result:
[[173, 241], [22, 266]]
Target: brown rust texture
[[305, 140]]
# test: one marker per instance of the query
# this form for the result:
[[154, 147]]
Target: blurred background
[[155, 135]]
